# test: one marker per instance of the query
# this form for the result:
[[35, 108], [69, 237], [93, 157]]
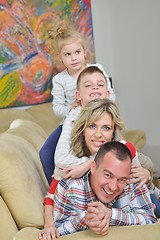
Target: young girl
[[73, 54]]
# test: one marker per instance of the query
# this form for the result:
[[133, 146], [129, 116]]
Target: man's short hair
[[119, 149]]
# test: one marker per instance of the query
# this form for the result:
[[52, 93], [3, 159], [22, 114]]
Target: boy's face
[[92, 86]]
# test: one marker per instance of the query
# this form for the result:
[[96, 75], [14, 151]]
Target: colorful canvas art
[[26, 67]]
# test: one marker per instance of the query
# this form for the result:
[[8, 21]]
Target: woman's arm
[[64, 157]]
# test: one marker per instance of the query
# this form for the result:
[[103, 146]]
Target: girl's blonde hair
[[90, 113], [59, 36]]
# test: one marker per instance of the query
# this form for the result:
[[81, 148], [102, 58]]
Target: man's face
[[109, 178], [92, 86]]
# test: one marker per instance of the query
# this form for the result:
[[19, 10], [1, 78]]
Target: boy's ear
[[108, 93], [78, 95]]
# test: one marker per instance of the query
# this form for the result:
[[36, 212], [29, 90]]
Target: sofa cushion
[[141, 232], [8, 226], [21, 185]]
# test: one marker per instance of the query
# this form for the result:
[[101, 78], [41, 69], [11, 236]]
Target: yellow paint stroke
[[10, 89]]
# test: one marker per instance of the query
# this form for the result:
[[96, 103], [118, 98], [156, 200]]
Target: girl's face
[[99, 132], [73, 56]]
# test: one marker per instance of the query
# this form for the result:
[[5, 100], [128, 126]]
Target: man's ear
[[93, 167]]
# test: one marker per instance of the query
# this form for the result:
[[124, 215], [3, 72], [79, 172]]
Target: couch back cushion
[[8, 226], [22, 181]]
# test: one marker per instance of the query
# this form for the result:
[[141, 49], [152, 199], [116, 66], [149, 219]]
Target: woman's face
[[99, 132]]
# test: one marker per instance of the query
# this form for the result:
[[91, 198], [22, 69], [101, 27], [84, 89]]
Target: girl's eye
[[78, 52], [87, 85], [67, 54]]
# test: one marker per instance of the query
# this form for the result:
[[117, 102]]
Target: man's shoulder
[[73, 182]]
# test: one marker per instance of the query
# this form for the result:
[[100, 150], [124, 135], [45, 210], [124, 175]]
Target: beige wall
[[127, 44]]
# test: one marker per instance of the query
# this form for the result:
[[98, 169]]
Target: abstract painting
[[26, 67]]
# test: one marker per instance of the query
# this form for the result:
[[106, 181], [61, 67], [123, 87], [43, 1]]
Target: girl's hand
[[75, 104], [139, 174]]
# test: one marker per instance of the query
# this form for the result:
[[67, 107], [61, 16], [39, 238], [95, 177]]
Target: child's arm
[[60, 107]]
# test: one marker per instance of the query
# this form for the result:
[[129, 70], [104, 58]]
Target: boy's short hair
[[88, 70]]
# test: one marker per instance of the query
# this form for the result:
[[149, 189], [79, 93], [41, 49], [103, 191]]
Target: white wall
[[127, 44]]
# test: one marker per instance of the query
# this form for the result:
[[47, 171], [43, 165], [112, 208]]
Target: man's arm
[[134, 207], [70, 207]]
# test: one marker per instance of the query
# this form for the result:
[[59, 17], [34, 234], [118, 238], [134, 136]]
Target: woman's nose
[[98, 132]]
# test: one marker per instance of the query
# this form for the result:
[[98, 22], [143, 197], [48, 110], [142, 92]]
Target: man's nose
[[113, 184]]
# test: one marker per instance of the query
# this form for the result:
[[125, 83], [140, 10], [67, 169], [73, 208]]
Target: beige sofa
[[23, 183]]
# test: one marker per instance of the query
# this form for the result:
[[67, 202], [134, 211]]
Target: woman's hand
[[139, 174], [49, 233]]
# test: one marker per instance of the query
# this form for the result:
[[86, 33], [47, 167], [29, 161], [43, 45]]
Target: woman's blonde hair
[[90, 113]]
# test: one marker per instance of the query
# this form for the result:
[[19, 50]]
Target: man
[[102, 197]]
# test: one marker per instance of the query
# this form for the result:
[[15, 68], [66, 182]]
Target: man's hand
[[98, 217]]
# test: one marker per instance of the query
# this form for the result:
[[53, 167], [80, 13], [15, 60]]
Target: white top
[[63, 91]]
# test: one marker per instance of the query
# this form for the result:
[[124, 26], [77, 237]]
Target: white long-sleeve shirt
[[63, 91]]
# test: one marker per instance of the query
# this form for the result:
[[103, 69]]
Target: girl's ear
[[59, 57]]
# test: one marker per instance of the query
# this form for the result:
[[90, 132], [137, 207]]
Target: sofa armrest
[[147, 232]]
